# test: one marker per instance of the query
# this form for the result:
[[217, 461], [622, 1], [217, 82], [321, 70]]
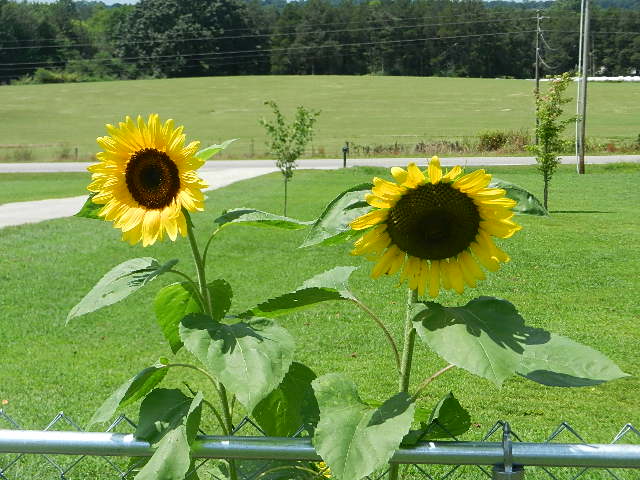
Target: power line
[[263, 52], [330, 24], [267, 35]]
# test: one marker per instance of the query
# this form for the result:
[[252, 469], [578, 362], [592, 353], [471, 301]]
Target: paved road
[[327, 163], [222, 173]]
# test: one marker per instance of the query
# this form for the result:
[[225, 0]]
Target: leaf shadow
[[580, 211], [498, 319]]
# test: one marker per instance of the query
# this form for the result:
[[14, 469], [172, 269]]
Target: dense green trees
[[353, 37]]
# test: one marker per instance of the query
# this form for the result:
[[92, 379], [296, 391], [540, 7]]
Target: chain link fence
[[91, 455]]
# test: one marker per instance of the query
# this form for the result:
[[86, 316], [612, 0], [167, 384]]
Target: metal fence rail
[[541, 460]]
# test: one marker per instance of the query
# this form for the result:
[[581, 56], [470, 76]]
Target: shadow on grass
[[579, 211]]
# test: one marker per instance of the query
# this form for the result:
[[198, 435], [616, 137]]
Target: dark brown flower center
[[152, 178], [433, 222]]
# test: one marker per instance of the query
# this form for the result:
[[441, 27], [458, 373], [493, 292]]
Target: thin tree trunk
[[286, 180]]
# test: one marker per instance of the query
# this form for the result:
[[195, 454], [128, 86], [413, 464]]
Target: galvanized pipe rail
[[447, 453]]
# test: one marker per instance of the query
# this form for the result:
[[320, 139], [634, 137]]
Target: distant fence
[[66, 453]]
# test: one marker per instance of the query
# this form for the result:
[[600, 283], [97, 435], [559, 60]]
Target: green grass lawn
[[21, 187], [574, 273], [368, 110]]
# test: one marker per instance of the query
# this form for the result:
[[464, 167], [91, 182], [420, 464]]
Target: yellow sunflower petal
[[424, 277], [470, 265], [452, 174], [150, 227], [399, 174], [444, 274], [415, 177], [485, 256], [434, 278], [434, 171], [369, 219], [473, 181], [500, 228], [467, 275], [455, 276], [386, 261], [413, 271], [377, 202]]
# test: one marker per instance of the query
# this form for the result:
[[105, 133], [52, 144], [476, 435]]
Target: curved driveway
[[220, 173]]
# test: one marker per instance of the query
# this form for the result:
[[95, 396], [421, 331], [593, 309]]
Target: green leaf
[[171, 305], [487, 336], [208, 152], [258, 218], [250, 358], [561, 362], [169, 420], [166, 409], [332, 226], [90, 209], [221, 294], [329, 285], [119, 283], [171, 460], [527, 202], [130, 391], [353, 438], [448, 419], [178, 300], [291, 405]]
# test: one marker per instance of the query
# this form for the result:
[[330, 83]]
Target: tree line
[[86, 40]]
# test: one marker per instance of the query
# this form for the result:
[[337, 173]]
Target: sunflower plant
[[436, 230]]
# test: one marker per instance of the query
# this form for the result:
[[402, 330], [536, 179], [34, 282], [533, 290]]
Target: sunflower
[[436, 228], [145, 177]]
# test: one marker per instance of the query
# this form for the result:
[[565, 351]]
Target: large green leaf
[[448, 419], [171, 305], [258, 218], [527, 202], [353, 438], [119, 283], [250, 357], [291, 405], [169, 420], [329, 285], [561, 362], [133, 389], [221, 294], [208, 152], [487, 336], [90, 209], [177, 300], [332, 226]]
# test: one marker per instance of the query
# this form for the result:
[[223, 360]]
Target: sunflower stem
[[204, 291], [405, 364], [206, 247], [192, 283], [409, 342], [426, 382], [387, 334]]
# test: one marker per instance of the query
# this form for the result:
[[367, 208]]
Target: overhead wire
[[266, 35], [213, 55]]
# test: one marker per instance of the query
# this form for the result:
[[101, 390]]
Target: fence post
[[507, 470], [345, 150]]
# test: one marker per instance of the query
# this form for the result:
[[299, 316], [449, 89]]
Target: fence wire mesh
[[22, 466]]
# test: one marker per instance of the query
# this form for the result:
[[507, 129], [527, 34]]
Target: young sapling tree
[[288, 141], [549, 110]]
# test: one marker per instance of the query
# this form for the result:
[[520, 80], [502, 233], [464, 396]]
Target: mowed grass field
[[368, 110], [574, 273]]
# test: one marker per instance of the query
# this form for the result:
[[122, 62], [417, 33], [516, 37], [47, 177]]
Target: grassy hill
[[367, 110]]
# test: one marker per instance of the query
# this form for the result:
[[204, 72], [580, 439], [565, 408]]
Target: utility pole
[[582, 91], [537, 91]]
